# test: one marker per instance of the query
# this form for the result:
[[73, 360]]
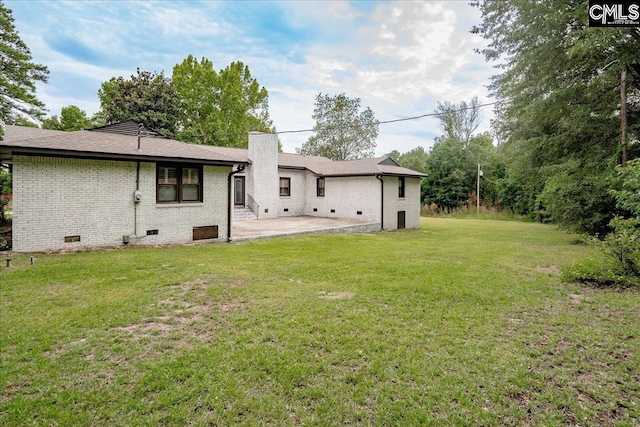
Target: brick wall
[[410, 203], [93, 199], [296, 201], [346, 196]]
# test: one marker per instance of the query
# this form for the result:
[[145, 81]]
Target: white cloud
[[400, 58]]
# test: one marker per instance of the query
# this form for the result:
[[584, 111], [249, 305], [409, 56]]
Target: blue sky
[[400, 58]]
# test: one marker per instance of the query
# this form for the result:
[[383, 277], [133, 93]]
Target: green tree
[[52, 123], [19, 75], [244, 103], [72, 118], [452, 169], [415, 159], [560, 100], [219, 108], [342, 131], [196, 85], [447, 183], [459, 121], [146, 97]]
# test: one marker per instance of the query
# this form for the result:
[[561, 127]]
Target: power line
[[384, 122]]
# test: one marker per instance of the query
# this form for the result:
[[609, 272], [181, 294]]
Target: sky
[[399, 57]]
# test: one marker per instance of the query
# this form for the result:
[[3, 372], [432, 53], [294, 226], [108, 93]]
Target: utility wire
[[487, 179], [218, 134], [384, 122]]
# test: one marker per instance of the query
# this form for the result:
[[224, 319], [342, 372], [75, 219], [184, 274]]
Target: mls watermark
[[614, 13]]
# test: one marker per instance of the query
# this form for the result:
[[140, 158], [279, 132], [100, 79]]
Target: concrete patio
[[286, 226]]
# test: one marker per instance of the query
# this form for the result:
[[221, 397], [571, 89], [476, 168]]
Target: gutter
[[92, 155], [379, 177], [229, 211]]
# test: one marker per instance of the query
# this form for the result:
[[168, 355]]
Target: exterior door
[[238, 192], [401, 220]]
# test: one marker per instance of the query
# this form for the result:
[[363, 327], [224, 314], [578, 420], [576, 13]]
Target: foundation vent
[[206, 232]]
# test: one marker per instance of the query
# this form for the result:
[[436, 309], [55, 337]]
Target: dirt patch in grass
[[186, 316], [571, 350], [551, 270], [335, 295], [576, 298]]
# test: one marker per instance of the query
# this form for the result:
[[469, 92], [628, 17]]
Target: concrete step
[[243, 214]]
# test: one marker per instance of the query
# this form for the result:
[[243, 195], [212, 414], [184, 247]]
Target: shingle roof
[[299, 161], [117, 146], [104, 145], [374, 166]]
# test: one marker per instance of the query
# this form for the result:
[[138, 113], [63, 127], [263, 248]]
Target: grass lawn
[[462, 322]]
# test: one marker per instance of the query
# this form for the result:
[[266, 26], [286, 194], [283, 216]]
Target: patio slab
[[291, 225]]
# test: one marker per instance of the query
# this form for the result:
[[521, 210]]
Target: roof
[[115, 142], [364, 167], [300, 161], [109, 146]]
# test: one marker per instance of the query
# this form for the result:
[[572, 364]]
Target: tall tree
[[451, 167], [342, 131], [146, 97], [560, 93], [459, 121], [72, 118], [244, 103], [19, 75], [195, 84], [219, 108], [446, 184]]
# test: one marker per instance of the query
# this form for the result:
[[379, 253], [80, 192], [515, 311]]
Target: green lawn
[[463, 322]]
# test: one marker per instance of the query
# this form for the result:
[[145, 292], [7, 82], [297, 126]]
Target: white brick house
[[109, 187]]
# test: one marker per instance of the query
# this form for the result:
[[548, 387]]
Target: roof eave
[[344, 175], [7, 155]]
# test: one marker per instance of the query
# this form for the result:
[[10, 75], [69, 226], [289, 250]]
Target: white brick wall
[[347, 196], [295, 203], [262, 174], [410, 203], [55, 197]]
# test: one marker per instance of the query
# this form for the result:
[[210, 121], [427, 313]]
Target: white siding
[[93, 199]]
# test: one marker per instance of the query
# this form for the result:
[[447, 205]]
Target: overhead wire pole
[[478, 193], [623, 116]]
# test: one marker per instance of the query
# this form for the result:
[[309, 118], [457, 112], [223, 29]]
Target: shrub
[[622, 244], [598, 271]]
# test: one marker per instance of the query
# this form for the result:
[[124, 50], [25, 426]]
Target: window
[[401, 186], [320, 187], [177, 184], [285, 187]]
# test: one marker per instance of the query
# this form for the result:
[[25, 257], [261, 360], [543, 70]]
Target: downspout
[[135, 202], [229, 211], [381, 201]]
